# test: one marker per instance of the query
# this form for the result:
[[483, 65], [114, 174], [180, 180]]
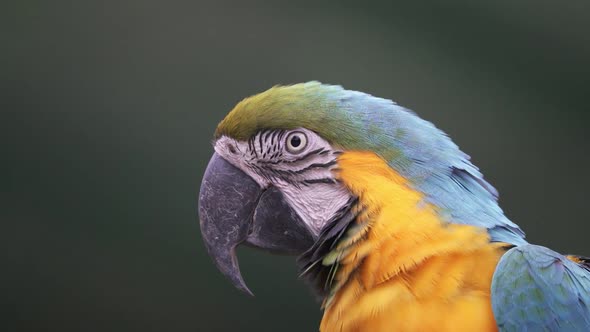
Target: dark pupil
[[295, 141]]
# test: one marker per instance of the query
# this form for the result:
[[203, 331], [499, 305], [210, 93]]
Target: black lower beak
[[234, 209]]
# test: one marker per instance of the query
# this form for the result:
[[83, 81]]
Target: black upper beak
[[234, 209]]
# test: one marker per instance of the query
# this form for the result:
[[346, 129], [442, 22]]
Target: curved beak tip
[[226, 200], [231, 269], [245, 289]]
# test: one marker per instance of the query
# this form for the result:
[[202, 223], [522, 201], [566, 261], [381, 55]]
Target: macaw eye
[[296, 142]]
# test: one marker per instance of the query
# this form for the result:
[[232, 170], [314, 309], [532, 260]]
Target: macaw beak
[[234, 209]]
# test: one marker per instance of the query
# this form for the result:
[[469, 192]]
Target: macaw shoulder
[[535, 288]]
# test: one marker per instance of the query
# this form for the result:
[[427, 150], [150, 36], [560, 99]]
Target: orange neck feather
[[405, 269]]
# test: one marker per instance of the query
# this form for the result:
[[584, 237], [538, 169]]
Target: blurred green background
[[108, 111]]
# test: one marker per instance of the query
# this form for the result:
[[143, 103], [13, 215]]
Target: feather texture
[[413, 147], [537, 289], [403, 268]]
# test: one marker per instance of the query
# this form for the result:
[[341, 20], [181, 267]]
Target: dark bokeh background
[[108, 110]]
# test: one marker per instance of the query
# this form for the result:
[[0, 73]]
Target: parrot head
[[272, 182]]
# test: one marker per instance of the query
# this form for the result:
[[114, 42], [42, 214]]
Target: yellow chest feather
[[406, 270]]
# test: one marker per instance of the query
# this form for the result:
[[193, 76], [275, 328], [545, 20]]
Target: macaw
[[394, 228]]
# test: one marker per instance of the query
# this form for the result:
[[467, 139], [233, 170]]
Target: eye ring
[[296, 142]]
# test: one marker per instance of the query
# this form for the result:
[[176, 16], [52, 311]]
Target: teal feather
[[537, 289]]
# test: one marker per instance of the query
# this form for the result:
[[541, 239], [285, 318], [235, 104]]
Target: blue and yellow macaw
[[395, 229]]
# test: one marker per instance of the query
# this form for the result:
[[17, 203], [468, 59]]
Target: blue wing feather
[[537, 289]]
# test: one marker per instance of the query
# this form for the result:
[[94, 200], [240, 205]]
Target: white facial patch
[[303, 173], [316, 204]]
